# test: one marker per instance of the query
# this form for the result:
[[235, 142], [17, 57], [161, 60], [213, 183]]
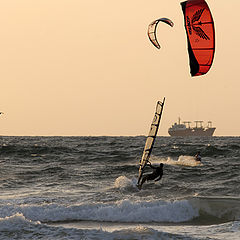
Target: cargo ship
[[185, 130]]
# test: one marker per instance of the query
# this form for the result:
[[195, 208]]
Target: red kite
[[199, 27]]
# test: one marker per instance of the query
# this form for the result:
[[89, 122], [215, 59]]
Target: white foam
[[188, 161], [122, 211], [123, 182], [18, 225], [22, 228], [182, 160], [15, 222]]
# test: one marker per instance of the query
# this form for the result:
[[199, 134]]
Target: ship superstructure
[[184, 129]]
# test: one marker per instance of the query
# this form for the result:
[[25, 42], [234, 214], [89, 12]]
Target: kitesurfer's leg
[[143, 181]]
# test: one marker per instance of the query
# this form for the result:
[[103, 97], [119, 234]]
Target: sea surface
[[85, 188]]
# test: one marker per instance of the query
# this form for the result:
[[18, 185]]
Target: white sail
[[151, 138]]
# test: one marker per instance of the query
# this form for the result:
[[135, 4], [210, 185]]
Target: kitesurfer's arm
[[150, 165]]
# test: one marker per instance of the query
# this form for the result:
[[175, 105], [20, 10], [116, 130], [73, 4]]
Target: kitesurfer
[[155, 175], [198, 157]]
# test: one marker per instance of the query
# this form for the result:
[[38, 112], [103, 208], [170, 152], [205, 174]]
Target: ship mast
[[179, 120]]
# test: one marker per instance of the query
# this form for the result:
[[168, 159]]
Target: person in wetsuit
[[155, 175], [198, 157]]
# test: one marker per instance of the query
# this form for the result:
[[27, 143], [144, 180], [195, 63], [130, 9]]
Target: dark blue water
[[85, 188]]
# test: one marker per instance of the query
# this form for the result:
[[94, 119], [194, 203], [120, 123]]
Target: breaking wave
[[194, 209], [18, 227]]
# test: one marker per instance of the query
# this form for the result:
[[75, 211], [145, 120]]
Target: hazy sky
[[86, 67]]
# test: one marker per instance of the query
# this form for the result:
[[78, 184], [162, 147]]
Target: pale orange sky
[[74, 67]]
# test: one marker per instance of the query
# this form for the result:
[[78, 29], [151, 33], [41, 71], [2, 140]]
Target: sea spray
[[123, 182]]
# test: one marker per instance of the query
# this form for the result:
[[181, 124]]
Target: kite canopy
[[199, 27], [152, 27]]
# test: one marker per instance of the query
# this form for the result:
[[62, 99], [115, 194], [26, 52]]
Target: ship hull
[[191, 132]]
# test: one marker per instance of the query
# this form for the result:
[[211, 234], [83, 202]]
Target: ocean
[[85, 188]]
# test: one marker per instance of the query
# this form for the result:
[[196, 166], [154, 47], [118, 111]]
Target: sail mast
[[151, 137]]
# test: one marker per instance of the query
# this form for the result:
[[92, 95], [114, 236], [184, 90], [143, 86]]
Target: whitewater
[[85, 188]]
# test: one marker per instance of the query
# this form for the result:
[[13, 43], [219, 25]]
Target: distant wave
[[114, 148], [32, 150]]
